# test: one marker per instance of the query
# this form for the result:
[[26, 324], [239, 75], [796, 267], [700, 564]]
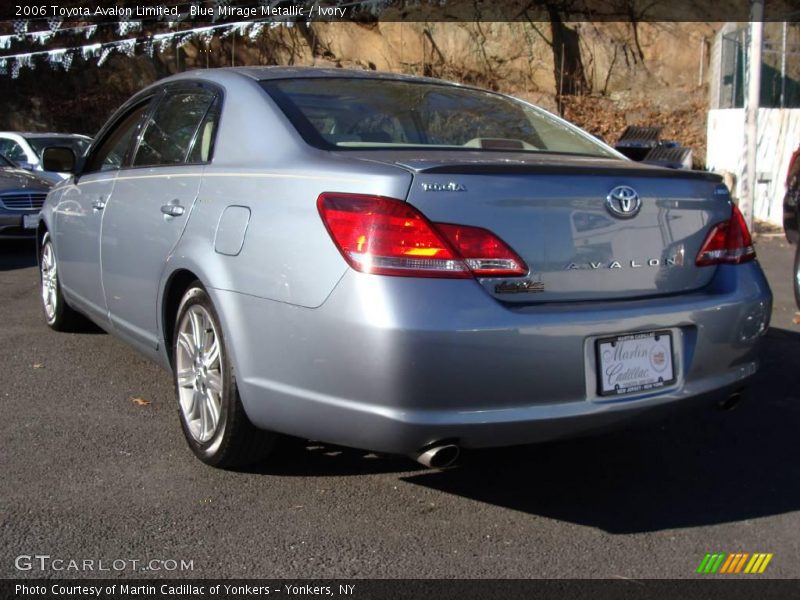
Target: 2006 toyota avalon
[[396, 264]]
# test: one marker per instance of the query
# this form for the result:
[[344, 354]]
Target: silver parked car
[[25, 149], [22, 195], [397, 264]]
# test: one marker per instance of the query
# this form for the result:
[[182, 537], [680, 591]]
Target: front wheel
[[212, 416], [57, 313]]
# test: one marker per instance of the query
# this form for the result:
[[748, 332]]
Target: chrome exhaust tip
[[730, 402], [438, 456]]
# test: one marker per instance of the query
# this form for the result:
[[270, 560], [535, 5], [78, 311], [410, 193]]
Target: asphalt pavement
[[94, 467]]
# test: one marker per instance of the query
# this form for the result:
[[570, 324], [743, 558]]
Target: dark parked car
[[790, 216], [22, 194]]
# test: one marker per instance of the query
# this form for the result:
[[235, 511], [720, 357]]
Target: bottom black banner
[[400, 589]]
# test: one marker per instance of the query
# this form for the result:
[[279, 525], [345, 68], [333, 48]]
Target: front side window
[[173, 127], [111, 152], [365, 113]]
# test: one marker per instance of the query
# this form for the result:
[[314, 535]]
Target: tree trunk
[[568, 64]]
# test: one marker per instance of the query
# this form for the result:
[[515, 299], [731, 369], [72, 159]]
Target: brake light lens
[[385, 236], [728, 242], [485, 254]]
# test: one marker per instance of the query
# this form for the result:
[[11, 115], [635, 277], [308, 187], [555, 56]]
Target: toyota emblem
[[623, 202]]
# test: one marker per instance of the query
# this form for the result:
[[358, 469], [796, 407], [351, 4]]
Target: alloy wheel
[[199, 364], [49, 282]]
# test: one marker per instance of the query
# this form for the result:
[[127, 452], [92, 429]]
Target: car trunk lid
[[554, 212]]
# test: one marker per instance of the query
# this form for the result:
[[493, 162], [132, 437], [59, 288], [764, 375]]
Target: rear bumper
[[393, 364]]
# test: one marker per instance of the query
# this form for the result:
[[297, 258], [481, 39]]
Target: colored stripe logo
[[738, 562]]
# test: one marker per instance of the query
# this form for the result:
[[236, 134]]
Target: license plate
[[637, 362], [30, 221]]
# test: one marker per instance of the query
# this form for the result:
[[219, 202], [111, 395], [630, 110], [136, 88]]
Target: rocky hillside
[[602, 76]]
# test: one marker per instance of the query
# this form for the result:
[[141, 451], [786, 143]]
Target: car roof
[[265, 73]]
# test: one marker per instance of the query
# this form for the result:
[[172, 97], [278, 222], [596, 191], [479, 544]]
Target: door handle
[[172, 210], [99, 204]]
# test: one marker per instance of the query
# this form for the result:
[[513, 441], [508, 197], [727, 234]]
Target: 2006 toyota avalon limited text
[[396, 264]]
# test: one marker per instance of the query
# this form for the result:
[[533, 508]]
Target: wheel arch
[[41, 231], [174, 289]]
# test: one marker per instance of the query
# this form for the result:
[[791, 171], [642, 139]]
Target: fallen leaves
[[602, 116], [139, 401], [38, 366]]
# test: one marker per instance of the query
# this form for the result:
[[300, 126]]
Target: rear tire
[[57, 313], [211, 412]]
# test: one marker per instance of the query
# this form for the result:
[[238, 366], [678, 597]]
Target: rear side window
[[169, 134], [367, 113]]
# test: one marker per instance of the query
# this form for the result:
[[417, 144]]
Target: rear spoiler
[[551, 169]]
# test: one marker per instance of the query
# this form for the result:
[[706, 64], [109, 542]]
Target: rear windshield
[[78, 145], [342, 113]]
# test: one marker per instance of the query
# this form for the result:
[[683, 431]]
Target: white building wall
[[778, 138]]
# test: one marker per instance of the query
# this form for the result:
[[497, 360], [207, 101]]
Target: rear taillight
[[485, 254], [384, 236], [728, 242]]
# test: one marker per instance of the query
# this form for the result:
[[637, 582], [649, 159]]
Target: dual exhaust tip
[[438, 455]]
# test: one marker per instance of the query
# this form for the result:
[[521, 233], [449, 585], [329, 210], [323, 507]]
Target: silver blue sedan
[[395, 263]]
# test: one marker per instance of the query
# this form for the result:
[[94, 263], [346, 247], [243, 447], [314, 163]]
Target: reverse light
[[385, 236], [728, 242]]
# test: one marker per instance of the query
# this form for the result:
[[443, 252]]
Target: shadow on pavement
[[21, 254], [700, 469], [17, 254], [299, 458]]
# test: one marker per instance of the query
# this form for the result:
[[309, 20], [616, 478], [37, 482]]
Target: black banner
[[206, 12], [734, 588]]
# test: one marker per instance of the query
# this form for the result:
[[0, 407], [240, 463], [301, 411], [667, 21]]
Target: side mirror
[[59, 159]]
